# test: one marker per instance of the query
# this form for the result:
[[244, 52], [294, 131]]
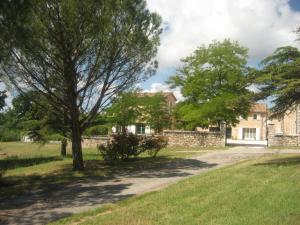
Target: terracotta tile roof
[[259, 107]]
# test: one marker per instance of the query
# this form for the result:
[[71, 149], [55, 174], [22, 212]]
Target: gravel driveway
[[41, 207]]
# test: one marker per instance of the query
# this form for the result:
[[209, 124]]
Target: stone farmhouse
[[252, 128], [258, 128], [141, 127]]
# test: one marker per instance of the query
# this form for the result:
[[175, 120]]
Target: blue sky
[[295, 4], [260, 25]]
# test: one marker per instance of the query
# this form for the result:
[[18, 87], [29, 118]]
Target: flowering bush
[[125, 145], [153, 144]]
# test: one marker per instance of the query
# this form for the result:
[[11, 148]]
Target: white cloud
[[260, 25], [159, 87]]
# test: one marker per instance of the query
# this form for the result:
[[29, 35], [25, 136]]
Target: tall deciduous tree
[[214, 81], [125, 110], [280, 79], [137, 107], [156, 112], [78, 54]]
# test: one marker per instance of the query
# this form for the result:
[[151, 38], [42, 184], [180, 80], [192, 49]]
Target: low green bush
[[10, 135], [126, 145]]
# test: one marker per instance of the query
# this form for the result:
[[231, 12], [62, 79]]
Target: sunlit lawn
[[27, 166], [258, 192]]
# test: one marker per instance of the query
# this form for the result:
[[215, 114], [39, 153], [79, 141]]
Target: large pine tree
[[279, 79], [78, 54]]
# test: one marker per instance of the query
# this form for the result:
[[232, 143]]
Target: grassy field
[[26, 166], [260, 192]]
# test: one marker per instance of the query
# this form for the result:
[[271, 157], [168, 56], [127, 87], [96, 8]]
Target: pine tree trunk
[[76, 144], [63, 147]]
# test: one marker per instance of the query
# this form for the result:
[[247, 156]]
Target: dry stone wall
[[194, 138], [92, 142], [281, 139]]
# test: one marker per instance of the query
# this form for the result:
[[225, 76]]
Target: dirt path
[[41, 207]]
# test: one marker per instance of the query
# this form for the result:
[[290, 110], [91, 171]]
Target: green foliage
[[134, 107], [96, 130], [78, 54], [8, 135], [155, 112], [280, 79], [121, 147], [10, 127], [125, 110], [153, 144], [127, 145], [214, 81], [37, 118]]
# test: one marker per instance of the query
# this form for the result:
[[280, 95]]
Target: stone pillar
[[223, 131], [270, 134]]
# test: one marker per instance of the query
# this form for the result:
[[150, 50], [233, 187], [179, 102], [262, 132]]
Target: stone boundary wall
[[194, 138], [275, 139], [92, 142], [283, 140]]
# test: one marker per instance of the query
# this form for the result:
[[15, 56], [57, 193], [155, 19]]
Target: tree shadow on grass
[[41, 197], [287, 161], [16, 162]]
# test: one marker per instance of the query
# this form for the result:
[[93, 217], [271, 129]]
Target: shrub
[[123, 146], [153, 144]]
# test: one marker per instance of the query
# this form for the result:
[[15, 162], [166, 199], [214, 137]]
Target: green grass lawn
[[27, 166], [257, 192]]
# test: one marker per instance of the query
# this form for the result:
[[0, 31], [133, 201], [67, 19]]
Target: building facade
[[140, 127], [255, 127], [252, 128], [289, 124]]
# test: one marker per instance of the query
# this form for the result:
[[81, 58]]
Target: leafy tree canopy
[[37, 118], [78, 54], [280, 79], [156, 112], [135, 107], [214, 81]]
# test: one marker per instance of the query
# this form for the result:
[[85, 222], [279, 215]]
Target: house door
[[249, 133]]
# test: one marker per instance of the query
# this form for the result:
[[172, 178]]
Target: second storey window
[[255, 116]]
